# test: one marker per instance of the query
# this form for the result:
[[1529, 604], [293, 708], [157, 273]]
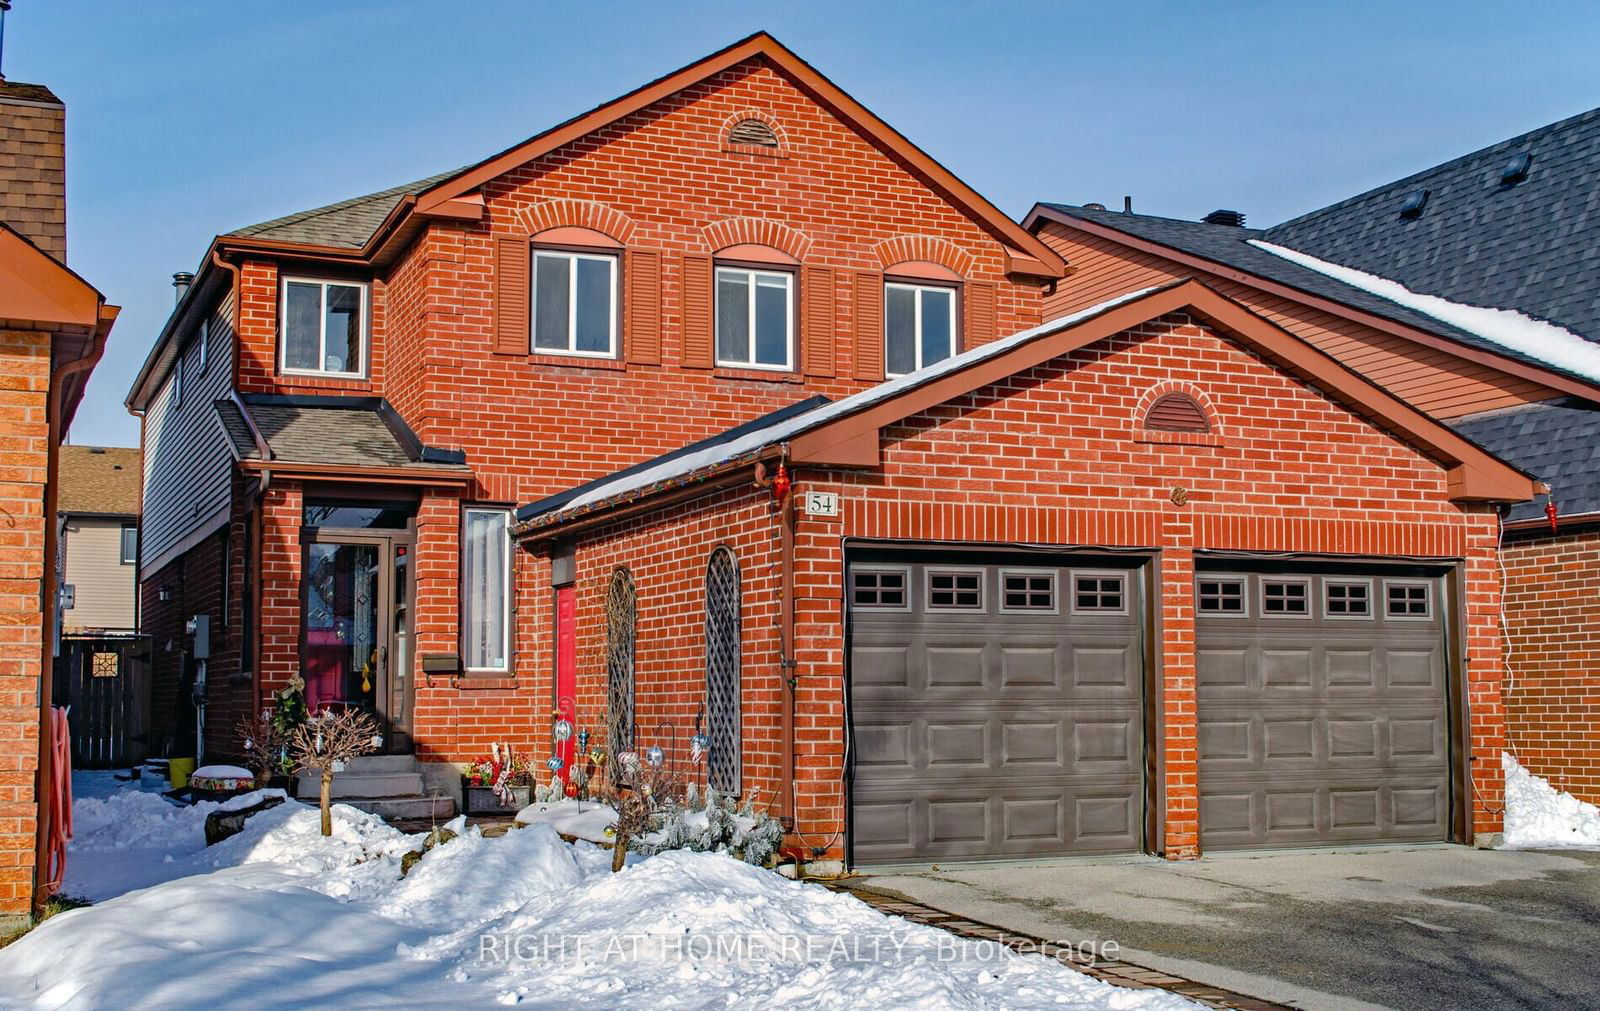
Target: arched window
[[1177, 412], [723, 599], [753, 132], [621, 618]]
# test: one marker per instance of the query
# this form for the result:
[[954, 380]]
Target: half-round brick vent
[[1177, 412], [752, 132]]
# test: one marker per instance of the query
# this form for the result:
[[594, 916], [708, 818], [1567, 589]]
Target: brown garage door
[[995, 710], [1321, 708]]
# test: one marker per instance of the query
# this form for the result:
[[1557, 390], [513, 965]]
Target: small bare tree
[[328, 740]]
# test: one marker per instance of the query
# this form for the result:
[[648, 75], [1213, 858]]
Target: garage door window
[[1409, 601], [955, 591], [1028, 591], [1098, 592], [1223, 597], [879, 589], [722, 670], [1285, 598], [1347, 600]]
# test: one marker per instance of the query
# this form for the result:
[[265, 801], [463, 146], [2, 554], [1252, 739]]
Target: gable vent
[[1411, 207], [1234, 219], [1177, 412], [752, 132], [1516, 168]]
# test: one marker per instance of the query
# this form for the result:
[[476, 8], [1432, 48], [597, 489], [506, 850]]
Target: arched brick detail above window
[[759, 232], [925, 248], [752, 131], [1177, 408], [577, 214]]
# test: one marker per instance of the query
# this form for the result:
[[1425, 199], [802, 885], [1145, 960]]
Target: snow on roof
[[678, 467], [1508, 328]]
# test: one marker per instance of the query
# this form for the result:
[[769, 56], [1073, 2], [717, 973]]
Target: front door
[[356, 626]]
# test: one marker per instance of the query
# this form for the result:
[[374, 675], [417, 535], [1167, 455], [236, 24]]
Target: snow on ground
[[580, 819], [125, 835], [1538, 816], [279, 917], [1508, 328]]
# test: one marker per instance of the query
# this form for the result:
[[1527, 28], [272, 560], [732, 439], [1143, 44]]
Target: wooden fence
[[106, 684]]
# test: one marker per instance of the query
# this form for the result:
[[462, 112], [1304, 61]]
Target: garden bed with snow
[[279, 916]]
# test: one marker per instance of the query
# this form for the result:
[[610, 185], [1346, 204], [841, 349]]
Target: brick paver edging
[[1117, 973]]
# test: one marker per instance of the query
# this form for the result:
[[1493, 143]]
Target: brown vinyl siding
[[187, 464], [1438, 382]]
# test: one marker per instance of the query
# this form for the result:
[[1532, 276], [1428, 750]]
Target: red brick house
[[1508, 227], [53, 329], [1156, 576]]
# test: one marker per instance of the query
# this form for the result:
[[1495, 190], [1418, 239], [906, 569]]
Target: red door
[[566, 671]]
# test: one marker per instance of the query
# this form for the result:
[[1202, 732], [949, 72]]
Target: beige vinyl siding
[[187, 465], [103, 587]]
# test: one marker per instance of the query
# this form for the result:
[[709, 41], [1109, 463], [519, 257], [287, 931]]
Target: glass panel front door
[[346, 625]]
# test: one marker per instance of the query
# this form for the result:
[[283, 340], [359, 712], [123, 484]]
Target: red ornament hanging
[[780, 483], [1550, 513]]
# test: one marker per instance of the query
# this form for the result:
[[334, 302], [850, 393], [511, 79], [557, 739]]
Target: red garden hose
[[60, 797]]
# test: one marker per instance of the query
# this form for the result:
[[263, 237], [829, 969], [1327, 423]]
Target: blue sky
[[186, 118]]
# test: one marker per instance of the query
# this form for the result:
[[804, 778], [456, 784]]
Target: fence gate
[[106, 682]]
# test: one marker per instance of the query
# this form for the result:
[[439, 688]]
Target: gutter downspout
[[788, 667], [49, 592]]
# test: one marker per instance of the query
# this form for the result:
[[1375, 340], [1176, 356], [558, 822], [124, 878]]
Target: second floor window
[[919, 326], [130, 544], [755, 318], [324, 327], [574, 303]]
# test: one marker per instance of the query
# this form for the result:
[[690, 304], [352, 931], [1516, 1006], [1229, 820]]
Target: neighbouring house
[[98, 512], [1468, 290], [53, 328], [722, 411]]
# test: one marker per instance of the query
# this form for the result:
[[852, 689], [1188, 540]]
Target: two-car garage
[[1003, 706]]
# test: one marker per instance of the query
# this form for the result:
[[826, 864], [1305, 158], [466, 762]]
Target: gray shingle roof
[[1533, 246], [1228, 245], [1559, 441], [347, 223], [343, 431], [238, 429]]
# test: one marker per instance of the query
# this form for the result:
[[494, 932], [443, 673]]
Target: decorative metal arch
[[622, 612], [723, 601]]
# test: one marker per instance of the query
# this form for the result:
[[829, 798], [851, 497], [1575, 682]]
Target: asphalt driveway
[[1429, 928]]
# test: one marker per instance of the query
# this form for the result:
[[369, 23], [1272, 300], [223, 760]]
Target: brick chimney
[[33, 165]]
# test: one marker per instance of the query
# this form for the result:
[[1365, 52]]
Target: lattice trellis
[[722, 670], [621, 618]]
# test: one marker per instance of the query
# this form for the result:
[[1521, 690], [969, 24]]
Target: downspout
[[49, 592], [788, 668]]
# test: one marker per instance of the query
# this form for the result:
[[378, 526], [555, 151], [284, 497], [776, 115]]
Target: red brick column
[[1181, 785], [281, 560], [1485, 673]]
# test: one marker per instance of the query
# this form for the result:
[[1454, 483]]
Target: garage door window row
[[1292, 598], [960, 589]]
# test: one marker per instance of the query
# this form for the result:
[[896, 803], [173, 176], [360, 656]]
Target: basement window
[[324, 327]]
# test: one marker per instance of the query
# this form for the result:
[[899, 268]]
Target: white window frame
[[322, 326], [1310, 598], [1428, 588], [1055, 591], [1372, 598], [203, 338], [905, 578], [571, 256], [750, 274], [1122, 575], [122, 544], [916, 321], [176, 397], [508, 573]]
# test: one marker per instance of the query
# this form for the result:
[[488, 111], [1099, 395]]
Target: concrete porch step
[[381, 763], [383, 784], [440, 809]]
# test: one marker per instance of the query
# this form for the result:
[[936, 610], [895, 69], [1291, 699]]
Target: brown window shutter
[[511, 335], [980, 314], [697, 349], [869, 326], [821, 331], [643, 306]]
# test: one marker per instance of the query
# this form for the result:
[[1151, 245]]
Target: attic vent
[[1415, 201], [1177, 412], [1516, 168], [1233, 219], [753, 132]]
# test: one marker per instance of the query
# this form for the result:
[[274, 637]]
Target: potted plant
[[499, 784]]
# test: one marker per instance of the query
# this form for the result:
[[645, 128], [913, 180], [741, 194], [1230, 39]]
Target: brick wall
[[1552, 605], [194, 583], [24, 439], [33, 166], [1053, 455]]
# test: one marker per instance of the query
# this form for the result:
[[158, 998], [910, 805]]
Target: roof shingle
[[348, 223], [103, 480], [1559, 440]]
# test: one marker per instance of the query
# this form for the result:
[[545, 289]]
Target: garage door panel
[[1318, 728], [996, 734]]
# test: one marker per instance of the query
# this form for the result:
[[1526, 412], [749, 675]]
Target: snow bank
[[1538, 816], [1508, 328], [126, 820], [279, 917], [579, 819]]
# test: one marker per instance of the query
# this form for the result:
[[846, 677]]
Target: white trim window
[[486, 589], [574, 303], [202, 341], [919, 326], [129, 546], [324, 327], [755, 319]]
